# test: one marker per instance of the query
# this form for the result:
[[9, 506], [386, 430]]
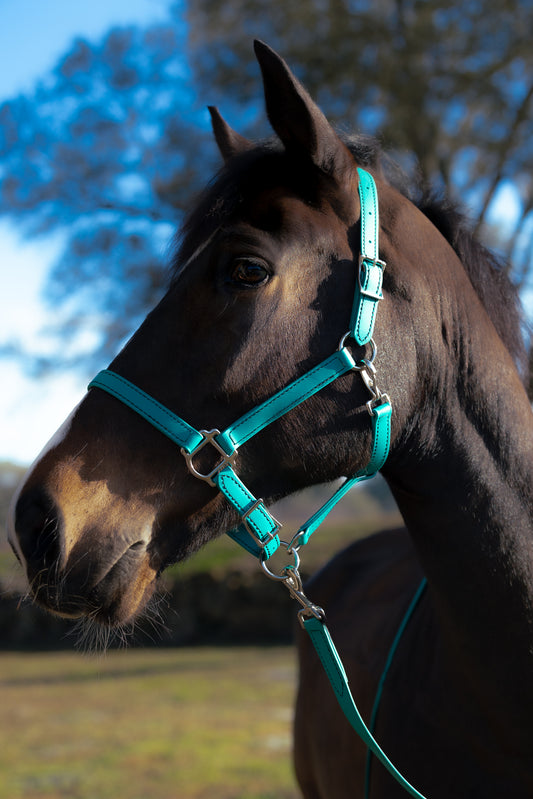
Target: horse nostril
[[37, 528]]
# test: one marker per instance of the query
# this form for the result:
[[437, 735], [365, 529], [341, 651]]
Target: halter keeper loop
[[267, 537], [366, 263]]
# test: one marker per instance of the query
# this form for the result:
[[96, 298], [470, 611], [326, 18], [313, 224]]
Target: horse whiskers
[[94, 637], [153, 617], [91, 637]]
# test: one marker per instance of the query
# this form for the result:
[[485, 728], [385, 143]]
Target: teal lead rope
[[390, 657], [329, 657]]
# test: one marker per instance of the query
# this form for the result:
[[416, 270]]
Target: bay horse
[[260, 293]]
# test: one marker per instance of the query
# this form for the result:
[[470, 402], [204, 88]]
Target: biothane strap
[[380, 449], [390, 657], [288, 398], [368, 293], [258, 532], [329, 657], [160, 417]]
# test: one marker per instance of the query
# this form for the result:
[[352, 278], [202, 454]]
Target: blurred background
[[104, 141]]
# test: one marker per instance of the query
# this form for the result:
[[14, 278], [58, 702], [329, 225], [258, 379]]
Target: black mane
[[488, 275]]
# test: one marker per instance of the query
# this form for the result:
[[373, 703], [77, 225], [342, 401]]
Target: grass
[[193, 724]]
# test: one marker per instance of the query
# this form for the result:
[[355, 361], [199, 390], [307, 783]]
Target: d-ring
[[291, 567], [361, 364]]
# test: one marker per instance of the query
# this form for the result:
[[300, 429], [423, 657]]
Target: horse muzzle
[[77, 567]]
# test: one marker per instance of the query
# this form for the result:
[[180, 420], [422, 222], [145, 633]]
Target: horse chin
[[116, 598]]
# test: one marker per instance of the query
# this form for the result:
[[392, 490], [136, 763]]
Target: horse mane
[[487, 272]]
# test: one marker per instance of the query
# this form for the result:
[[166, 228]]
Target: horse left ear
[[229, 142], [298, 121]]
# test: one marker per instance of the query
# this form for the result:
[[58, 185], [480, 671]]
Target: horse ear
[[229, 142], [295, 117]]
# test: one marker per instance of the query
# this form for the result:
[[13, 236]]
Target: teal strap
[[381, 426], [285, 400], [381, 429], [368, 293], [334, 669], [258, 533], [168, 423], [390, 657]]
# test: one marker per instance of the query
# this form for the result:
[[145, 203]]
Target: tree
[[449, 88], [106, 151], [110, 148]]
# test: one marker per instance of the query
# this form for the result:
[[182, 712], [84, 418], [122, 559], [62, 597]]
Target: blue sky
[[33, 35]]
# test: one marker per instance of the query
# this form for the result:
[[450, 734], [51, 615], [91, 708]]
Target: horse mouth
[[118, 596]]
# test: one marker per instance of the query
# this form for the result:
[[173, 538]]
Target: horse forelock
[[221, 199]]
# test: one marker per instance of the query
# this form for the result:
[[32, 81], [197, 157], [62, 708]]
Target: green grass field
[[148, 724]]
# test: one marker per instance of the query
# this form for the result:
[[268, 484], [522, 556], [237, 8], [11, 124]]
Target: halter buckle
[[268, 537], [209, 437]]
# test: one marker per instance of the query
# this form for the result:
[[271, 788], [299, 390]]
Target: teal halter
[[258, 531]]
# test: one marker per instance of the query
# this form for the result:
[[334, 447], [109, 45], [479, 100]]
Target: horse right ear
[[229, 142], [297, 120]]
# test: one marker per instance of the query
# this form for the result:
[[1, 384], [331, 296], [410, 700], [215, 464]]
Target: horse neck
[[467, 500]]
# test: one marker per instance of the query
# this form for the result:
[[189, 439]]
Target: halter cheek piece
[[258, 530]]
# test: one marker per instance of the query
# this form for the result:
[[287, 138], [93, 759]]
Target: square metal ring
[[209, 437]]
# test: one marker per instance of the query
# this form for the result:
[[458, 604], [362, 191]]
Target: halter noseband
[[258, 531]]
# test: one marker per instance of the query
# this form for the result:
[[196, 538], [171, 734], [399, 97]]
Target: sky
[[33, 36]]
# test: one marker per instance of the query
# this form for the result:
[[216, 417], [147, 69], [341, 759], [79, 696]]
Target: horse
[[260, 293]]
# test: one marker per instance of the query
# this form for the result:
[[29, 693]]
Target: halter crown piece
[[258, 531]]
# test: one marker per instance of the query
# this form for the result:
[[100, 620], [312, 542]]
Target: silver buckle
[[261, 542], [372, 262], [209, 437]]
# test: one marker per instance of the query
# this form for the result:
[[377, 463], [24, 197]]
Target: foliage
[[111, 147], [451, 85], [106, 150]]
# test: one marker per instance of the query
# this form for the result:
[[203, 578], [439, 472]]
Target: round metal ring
[[281, 577], [359, 365], [347, 335], [374, 351]]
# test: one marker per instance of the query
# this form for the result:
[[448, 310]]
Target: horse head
[[261, 291]]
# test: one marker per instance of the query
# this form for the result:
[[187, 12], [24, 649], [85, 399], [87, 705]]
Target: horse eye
[[249, 273]]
